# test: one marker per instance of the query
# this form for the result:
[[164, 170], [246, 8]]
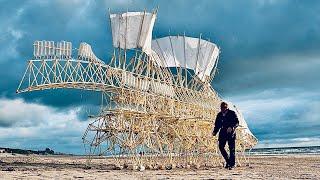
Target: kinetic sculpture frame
[[159, 103]]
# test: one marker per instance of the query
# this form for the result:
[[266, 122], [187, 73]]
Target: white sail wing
[[187, 52], [85, 53], [132, 30]]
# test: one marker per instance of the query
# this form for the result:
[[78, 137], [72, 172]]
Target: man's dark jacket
[[224, 122]]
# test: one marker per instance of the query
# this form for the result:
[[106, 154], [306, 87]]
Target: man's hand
[[229, 130]]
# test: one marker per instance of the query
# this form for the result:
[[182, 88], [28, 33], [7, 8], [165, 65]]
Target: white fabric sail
[[132, 30], [187, 52], [85, 53]]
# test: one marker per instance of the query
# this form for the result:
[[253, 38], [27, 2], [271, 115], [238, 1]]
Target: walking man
[[227, 122]]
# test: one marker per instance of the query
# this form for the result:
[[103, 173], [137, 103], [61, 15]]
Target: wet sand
[[72, 167]]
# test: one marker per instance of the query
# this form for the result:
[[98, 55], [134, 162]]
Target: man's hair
[[223, 104]]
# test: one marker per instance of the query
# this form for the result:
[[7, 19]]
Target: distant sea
[[286, 150]]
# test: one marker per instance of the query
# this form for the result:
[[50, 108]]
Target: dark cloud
[[282, 114]]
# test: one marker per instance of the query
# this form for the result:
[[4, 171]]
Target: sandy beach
[[72, 167]]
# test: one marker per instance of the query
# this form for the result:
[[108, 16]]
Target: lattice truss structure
[[158, 103]]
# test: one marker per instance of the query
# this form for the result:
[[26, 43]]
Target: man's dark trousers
[[231, 139]]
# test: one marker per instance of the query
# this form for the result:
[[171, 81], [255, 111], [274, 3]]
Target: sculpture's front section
[[159, 106]]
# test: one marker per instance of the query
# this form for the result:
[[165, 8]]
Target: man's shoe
[[226, 166], [231, 167]]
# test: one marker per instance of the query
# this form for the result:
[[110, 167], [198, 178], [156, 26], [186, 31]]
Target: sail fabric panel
[[85, 53], [187, 52], [163, 47], [207, 57], [132, 30], [191, 50]]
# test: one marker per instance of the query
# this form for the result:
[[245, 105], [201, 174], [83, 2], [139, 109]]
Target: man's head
[[223, 106]]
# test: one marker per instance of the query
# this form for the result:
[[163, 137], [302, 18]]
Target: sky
[[269, 64]]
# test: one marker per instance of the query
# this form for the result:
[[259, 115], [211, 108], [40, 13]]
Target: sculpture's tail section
[[54, 67]]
